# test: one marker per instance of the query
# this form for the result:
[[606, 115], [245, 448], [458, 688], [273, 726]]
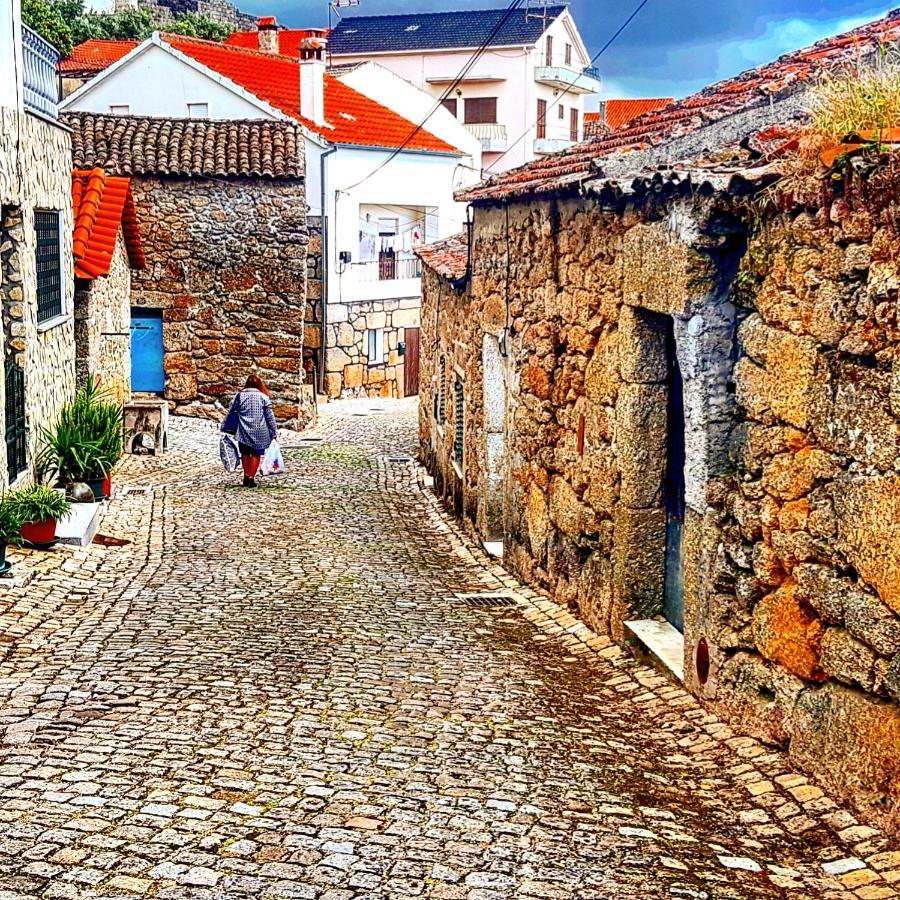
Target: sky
[[672, 48]]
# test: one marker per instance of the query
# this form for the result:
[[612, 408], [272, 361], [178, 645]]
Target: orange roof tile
[[621, 112], [102, 205], [288, 38], [94, 56], [351, 117]]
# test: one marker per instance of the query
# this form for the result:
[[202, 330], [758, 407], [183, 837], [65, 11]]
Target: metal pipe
[[326, 264]]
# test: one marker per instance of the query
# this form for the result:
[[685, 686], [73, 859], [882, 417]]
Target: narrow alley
[[306, 691]]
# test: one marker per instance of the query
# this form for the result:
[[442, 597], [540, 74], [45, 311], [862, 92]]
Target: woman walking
[[252, 421]]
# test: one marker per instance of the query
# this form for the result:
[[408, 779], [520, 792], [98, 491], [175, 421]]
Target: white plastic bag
[[272, 462], [229, 452]]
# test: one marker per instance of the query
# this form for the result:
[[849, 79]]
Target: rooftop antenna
[[538, 9], [334, 9]]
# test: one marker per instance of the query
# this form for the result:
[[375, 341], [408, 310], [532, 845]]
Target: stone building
[[671, 391], [222, 215], [36, 287], [107, 246]]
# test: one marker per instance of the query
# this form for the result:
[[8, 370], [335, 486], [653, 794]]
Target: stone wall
[[784, 334], [226, 264], [347, 369], [218, 10], [102, 327], [39, 155]]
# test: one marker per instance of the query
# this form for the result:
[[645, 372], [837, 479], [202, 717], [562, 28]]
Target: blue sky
[[673, 48]]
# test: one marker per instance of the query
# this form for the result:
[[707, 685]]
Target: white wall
[[153, 82], [10, 54]]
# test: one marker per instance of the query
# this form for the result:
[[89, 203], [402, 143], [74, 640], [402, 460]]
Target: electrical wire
[[513, 7], [557, 99]]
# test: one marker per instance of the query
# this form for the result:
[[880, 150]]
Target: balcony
[[567, 77], [387, 268], [493, 137], [40, 81]]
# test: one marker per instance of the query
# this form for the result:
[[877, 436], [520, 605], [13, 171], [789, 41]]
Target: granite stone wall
[[38, 157], [102, 327], [348, 370], [226, 264], [783, 329]]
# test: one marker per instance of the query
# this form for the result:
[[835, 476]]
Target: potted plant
[[40, 508], [10, 529]]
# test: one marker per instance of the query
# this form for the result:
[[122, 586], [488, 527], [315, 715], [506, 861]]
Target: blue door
[[147, 374]]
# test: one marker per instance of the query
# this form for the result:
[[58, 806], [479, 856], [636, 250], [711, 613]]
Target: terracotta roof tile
[[132, 145], [618, 113], [94, 56], [102, 204], [753, 88], [449, 258], [351, 117], [288, 39]]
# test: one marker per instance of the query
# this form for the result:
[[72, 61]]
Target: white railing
[[41, 83], [388, 268]]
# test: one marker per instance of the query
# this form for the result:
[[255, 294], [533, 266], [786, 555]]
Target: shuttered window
[[459, 422], [49, 268]]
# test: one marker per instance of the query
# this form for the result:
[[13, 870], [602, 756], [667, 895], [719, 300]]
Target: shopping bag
[[229, 452], [273, 461]]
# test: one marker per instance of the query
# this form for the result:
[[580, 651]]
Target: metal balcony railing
[[41, 82], [388, 268]]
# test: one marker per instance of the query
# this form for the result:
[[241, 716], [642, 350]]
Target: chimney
[[267, 34], [312, 77]]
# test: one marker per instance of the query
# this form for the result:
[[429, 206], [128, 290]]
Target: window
[[388, 229], [198, 110], [451, 105], [568, 54], [119, 109], [481, 111], [573, 124], [440, 400], [549, 55], [562, 111], [49, 268], [459, 412], [375, 338], [542, 119]]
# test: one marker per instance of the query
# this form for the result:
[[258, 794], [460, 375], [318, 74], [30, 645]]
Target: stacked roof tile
[[755, 88], [449, 257], [103, 204], [438, 31], [132, 145], [94, 55]]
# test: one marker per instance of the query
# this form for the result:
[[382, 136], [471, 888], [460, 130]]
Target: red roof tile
[[94, 56], [753, 88], [288, 39], [102, 205], [618, 113], [449, 258], [351, 117]]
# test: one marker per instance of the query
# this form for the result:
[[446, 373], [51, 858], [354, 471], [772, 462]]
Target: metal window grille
[[459, 430], [49, 270], [442, 394], [16, 431]]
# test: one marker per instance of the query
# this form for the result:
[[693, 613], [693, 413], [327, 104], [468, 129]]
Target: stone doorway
[[494, 388], [673, 490]]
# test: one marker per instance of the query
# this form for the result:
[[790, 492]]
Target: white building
[[382, 185], [522, 99]]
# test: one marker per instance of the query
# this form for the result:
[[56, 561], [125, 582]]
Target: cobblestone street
[[283, 693]]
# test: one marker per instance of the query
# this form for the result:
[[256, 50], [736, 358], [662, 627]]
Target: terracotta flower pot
[[107, 485], [39, 532]]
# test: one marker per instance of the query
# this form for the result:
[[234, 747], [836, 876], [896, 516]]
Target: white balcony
[[551, 145], [40, 81], [569, 78], [493, 137]]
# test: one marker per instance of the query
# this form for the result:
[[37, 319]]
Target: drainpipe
[[326, 265]]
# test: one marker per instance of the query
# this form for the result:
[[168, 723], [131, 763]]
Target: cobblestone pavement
[[281, 693]]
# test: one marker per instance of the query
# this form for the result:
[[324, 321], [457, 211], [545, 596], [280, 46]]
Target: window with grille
[[441, 398], [49, 270], [16, 430], [458, 423]]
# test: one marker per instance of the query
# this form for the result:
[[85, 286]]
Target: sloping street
[[286, 693]]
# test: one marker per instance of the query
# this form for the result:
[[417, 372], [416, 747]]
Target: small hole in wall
[[701, 661], [767, 694]]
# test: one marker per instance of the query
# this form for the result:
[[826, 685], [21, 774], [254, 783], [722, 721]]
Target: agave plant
[[40, 504]]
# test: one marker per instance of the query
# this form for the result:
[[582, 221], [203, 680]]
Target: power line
[[558, 99], [513, 6]]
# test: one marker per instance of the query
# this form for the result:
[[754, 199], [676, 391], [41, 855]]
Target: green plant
[[199, 25], [10, 522], [50, 23], [86, 441], [40, 503]]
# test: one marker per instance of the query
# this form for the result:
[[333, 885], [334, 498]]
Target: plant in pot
[[10, 529], [40, 510]]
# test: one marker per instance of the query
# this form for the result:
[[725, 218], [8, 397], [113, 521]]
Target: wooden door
[[411, 363]]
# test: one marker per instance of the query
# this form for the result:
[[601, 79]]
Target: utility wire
[[558, 99], [513, 6]]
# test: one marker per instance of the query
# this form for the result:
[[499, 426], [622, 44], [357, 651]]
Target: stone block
[[181, 387], [405, 318], [602, 377], [333, 382], [353, 376], [602, 492], [537, 522], [847, 659], [792, 364], [872, 621], [790, 476], [536, 380], [640, 443], [338, 312], [567, 512], [823, 589], [639, 537], [345, 335], [787, 631], [868, 520], [336, 359], [376, 319], [642, 346]]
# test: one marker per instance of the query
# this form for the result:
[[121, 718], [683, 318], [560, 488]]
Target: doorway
[[411, 363], [674, 486], [147, 371]]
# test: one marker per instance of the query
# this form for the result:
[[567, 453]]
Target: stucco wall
[[791, 431], [226, 264]]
